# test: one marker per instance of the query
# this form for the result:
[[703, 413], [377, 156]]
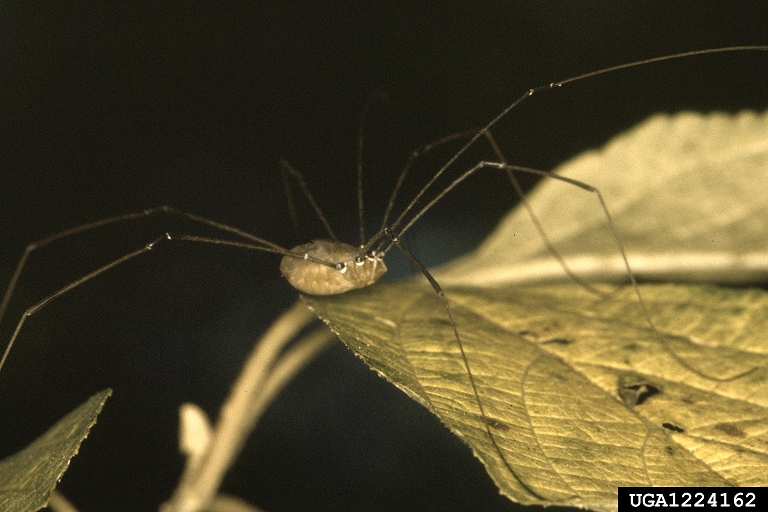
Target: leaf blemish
[[497, 424], [631, 347], [534, 337], [730, 429], [637, 394], [556, 340], [673, 427]]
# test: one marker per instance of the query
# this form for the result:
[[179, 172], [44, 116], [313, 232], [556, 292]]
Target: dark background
[[119, 106]]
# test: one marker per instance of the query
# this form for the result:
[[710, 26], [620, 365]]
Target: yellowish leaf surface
[[581, 395], [687, 196], [553, 366]]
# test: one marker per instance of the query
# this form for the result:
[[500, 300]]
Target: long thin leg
[[535, 220], [556, 85], [378, 240], [254, 243], [41, 243], [254, 247], [416, 154], [114, 220], [74, 284], [378, 95], [508, 169], [286, 167], [487, 422], [291, 203]]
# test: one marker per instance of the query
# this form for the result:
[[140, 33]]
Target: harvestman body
[[328, 267]]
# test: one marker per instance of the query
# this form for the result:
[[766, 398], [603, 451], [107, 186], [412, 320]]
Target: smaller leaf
[[28, 477]]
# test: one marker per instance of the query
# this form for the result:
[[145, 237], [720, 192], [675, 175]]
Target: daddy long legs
[[369, 257]]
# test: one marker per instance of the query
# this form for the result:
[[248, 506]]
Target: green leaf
[[28, 477], [580, 394]]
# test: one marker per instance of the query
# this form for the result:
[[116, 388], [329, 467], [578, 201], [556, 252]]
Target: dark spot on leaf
[[669, 450], [730, 429], [556, 340], [673, 427], [536, 338], [497, 424], [637, 393]]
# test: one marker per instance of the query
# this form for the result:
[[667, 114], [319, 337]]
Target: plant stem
[[266, 371]]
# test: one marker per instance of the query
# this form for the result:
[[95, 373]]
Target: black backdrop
[[119, 106]]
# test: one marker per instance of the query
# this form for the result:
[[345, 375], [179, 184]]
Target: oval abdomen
[[339, 271]]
